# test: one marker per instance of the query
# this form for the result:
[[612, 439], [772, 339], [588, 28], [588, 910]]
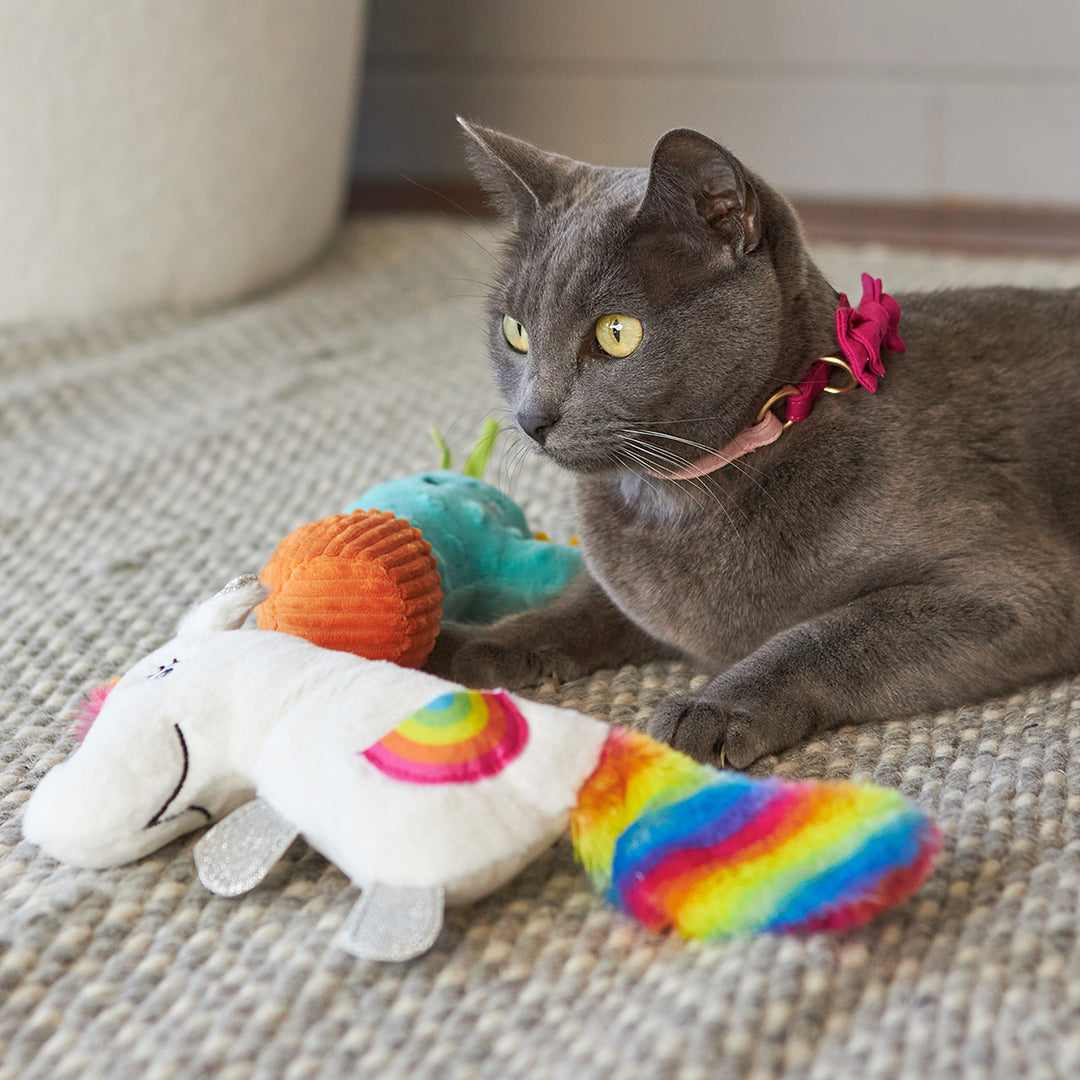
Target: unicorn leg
[[393, 922], [241, 849]]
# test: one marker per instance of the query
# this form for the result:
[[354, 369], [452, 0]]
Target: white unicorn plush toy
[[425, 792]]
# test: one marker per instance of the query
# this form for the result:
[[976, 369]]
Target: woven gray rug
[[146, 460]]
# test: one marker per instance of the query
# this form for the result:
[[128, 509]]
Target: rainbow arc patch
[[458, 738]]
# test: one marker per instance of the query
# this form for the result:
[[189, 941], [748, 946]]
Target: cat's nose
[[536, 425]]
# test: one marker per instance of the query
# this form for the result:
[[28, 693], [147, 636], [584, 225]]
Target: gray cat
[[892, 553]]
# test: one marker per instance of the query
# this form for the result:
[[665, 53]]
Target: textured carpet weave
[[146, 460]]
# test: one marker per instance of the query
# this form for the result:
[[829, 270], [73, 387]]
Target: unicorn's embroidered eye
[[618, 335], [517, 337], [164, 669]]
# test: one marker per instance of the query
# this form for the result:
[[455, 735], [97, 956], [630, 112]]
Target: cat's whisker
[[624, 455], [486, 285], [657, 423], [619, 462], [696, 487], [665, 458], [666, 454], [668, 460], [505, 478], [649, 457], [480, 413], [460, 210], [514, 464], [672, 438], [658, 458], [740, 466], [517, 466], [752, 475]]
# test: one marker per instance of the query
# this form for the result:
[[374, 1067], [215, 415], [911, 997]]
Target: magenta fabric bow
[[863, 333]]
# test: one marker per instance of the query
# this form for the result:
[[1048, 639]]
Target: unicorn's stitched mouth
[[159, 818]]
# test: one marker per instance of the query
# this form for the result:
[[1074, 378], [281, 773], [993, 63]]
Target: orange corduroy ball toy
[[364, 583]]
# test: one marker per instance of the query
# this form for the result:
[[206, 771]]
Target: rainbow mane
[[677, 843]]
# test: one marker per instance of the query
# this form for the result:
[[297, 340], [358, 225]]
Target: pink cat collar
[[863, 333]]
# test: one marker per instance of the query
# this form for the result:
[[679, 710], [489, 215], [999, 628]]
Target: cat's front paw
[[720, 733], [488, 664], [474, 657]]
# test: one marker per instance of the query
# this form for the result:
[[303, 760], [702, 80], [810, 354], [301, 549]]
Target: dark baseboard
[[966, 228]]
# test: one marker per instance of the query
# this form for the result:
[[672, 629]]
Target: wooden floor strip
[[965, 228]]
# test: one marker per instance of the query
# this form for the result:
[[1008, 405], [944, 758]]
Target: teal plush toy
[[489, 562]]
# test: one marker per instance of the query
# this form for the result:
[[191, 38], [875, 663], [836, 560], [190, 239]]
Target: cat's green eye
[[618, 335], [517, 337]]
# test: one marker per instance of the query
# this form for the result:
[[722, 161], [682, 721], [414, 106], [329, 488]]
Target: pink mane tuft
[[89, 708]]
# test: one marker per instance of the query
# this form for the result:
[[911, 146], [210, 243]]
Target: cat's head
[[642, 315]]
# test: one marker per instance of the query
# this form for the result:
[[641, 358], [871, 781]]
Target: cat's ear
[[519, 177], [697, 188]]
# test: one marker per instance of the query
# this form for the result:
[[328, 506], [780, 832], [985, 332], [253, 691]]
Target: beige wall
[[924, 99]]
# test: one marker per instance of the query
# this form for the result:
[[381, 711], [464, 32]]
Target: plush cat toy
[[424, 792]]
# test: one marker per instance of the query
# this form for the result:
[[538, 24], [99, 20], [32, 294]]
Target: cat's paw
[[488, 664], [719, 733], [473, 657]]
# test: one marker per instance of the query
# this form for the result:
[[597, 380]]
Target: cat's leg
[[578, 632], [888, 655]]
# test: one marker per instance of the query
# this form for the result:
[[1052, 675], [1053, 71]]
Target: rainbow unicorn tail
[[677, 843]]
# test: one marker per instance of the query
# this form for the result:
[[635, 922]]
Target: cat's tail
[[677, 843]]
